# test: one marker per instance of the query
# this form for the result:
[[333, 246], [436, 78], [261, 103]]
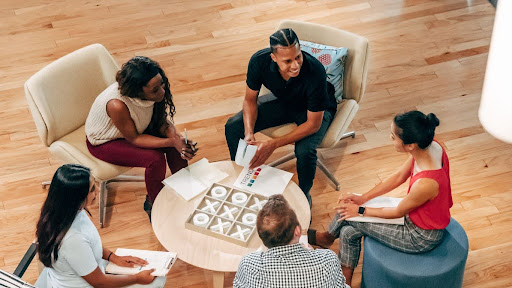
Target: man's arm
[[265, 149], [250, 111]]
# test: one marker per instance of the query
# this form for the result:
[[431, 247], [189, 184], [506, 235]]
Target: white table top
[[170, 212]]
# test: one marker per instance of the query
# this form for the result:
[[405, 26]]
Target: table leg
[[218, 279]]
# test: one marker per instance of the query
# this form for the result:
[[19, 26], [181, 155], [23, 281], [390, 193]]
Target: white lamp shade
[[496, 104]]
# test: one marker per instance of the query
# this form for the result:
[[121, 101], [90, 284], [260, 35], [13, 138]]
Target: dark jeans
[[273, 112]]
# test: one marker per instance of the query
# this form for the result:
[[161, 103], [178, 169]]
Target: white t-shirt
[[80, 253]]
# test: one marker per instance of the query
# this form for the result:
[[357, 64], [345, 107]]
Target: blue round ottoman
[[442, 267]]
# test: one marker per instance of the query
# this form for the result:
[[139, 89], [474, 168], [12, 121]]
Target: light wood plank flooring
[[429, 55]]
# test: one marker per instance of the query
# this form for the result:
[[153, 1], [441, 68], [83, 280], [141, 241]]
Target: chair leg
[[102, 202], [328, 173]]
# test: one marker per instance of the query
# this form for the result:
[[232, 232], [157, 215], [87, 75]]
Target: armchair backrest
[[356, 66], [61, 94]]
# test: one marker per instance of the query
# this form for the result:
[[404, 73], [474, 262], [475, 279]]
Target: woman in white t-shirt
[[69, 244]]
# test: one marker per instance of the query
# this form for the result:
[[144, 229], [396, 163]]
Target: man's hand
[[249, 138], [265, 149]]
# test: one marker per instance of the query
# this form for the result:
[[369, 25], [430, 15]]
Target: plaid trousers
[[407, 238]]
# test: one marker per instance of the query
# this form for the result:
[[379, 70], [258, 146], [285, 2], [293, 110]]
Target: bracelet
[[108, 258]]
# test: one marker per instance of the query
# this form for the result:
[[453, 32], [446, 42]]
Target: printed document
[[264, 180]]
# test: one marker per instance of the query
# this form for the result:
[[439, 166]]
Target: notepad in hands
[[159, 260], [245, 153]]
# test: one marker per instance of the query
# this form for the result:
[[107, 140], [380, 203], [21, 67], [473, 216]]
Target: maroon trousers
[[123, 153]]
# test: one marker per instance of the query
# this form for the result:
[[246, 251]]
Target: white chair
[[356, 69], [60, 96]]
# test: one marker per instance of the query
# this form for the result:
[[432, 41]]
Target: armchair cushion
[[73, 149], [333, 60]]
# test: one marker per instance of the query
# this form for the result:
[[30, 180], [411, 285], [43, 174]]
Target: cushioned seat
[[60, 96], [441, 267], [356, 69]]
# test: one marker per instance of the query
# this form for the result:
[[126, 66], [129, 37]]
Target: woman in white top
[[130, 124], [68, 242]]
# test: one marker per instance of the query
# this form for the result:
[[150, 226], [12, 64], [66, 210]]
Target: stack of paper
[[195, 179], [160, 261]]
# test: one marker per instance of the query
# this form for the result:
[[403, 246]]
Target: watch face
[[361, 211]]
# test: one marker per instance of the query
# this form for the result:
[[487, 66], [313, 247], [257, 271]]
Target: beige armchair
[[356, 69], [60, 96]]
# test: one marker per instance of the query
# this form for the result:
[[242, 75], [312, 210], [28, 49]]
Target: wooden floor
[[427, 55]]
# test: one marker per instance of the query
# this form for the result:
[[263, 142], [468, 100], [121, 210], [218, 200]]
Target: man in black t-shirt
[[300, 94]]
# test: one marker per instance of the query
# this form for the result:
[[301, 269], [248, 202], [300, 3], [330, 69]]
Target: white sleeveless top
[[100, 129]]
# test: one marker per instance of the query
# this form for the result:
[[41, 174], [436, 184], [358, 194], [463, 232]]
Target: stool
[[441, 267]]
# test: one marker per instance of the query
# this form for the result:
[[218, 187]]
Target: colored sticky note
[[252, 181], [254, 177], [256, 173], [249, 184]]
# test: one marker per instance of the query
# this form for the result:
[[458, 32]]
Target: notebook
[[378, 202], [244, 153], [159, 260]]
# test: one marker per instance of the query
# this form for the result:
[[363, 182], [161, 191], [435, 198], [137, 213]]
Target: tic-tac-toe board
[[227, 213]]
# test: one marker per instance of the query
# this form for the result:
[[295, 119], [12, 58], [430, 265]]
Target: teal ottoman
[[442, 267]]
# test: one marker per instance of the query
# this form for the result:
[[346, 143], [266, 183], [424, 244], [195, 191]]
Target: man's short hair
[[283, 38], [276, 222]]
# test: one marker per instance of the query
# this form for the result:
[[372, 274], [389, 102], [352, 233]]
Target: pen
[[186, 141]]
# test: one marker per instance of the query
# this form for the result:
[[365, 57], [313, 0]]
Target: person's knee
[[347, 234], [155, 159], [305, 152], [234, 125]]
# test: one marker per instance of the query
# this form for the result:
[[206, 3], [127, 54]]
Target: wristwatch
[[361, 211]]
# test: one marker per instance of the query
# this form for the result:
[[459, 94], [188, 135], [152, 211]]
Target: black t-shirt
[[308, 91]]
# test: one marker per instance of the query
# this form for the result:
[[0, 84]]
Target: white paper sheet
[[160, 260], [379, 202], [195, 179], [264, 180], [184, 184], [205, 172], [244, 153]]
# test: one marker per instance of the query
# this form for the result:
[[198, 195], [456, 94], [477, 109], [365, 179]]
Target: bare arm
[[120, 115], [250, 112], [98, 279], [422, 191], [393, 181]]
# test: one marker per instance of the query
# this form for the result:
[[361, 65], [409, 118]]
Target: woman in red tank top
[[426, 207]]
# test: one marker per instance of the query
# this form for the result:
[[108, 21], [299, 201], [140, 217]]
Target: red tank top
[[435, 213]]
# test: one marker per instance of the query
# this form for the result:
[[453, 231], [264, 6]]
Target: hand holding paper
[[245, 153], [263, 152]]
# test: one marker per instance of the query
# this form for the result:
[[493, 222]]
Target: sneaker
[[147, 207]]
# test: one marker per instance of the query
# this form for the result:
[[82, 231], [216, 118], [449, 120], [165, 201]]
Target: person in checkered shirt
[[286, 263]]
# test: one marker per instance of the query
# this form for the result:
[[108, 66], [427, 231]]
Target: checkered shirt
[[290, 266]]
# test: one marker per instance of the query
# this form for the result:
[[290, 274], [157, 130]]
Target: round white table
[[170, 212]]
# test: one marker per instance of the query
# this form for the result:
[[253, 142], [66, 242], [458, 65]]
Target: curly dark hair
[[135, 74]]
